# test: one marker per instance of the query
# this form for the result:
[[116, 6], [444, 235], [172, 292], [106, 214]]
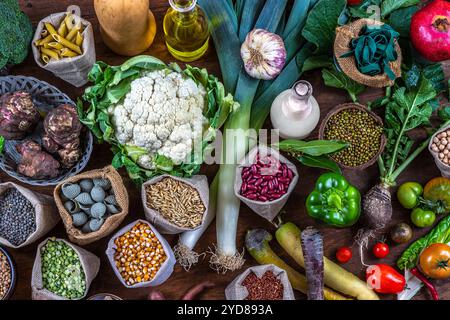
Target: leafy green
[[2, 144], [407, 109], [322, 162], [433, 72], [321, 24], [389, 6], [317, 62], [439, 234], [312, 148], [340, 80], [16, 33], [444, 113], [112, 83], [400, 20], [363, 10]]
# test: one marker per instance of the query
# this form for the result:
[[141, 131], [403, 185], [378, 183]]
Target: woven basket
[[45, 97], [358, 106], [344, 36]]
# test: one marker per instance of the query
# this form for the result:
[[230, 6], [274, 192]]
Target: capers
[[360, 130]]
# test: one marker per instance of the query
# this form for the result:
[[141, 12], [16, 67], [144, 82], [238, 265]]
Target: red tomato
[[380, 250], [344, 254], [385, 279], [354, 2]]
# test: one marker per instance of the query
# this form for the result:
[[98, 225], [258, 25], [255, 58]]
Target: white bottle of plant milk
[[295, 112]]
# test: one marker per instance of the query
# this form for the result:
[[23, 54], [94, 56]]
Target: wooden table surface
[[422, 170]]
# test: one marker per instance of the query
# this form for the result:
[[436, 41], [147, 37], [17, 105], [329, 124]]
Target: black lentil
[[17, 217], [360, 130]]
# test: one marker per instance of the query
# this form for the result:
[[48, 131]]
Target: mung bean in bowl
[[361, 128], [7, 275]]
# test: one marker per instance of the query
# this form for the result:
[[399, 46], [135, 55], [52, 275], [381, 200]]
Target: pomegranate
[[430, 30], [354, 2]]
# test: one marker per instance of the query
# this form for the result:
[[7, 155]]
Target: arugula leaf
[[312, 148], [340, 80], [321, 24], [389, 6], [322, 162]]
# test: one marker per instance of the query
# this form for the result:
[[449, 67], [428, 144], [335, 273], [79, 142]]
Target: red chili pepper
[[419, 275], [384, 279]]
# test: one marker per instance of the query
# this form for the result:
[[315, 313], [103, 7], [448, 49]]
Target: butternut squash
[[128, 27]]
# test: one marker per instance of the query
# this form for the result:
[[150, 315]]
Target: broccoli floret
[[16, 33]]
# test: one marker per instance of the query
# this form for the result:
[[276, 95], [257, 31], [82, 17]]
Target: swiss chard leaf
[[389, 6], [400, 20], [340, 80]]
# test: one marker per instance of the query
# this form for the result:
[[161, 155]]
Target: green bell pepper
[[334, 201]]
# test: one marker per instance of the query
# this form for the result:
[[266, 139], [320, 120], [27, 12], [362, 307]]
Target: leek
[[226, 39]]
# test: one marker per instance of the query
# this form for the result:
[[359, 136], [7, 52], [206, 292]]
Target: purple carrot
[[312, 245]]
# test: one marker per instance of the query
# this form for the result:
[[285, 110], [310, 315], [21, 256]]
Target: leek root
[[337, 278], [257, 244]]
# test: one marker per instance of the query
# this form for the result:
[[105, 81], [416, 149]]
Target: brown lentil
[[441, 146], [177, 202], [139, 254], [5, 275], [268, 287], [360, 130]]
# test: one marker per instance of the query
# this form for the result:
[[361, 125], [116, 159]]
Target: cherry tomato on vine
[[380, 250], [422, 218], [344, 254], [354, 2]]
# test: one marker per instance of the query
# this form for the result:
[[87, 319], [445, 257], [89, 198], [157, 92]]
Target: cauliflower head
[[163, 115]]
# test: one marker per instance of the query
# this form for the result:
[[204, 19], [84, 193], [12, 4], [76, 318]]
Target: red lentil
[[268, 287]]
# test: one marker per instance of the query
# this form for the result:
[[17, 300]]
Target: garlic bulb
[[264, 54]]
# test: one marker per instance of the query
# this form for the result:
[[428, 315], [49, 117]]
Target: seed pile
[[90, 202], [139, 254], [5, 275], [360, 130], [268, 287], [441, 146], [17, 217], [266, 180], [177, 202], [61, 269]]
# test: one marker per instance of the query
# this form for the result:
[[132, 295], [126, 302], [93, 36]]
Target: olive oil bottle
[[186, 30]]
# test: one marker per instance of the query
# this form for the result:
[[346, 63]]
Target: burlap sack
[[444, 168], [236, 291], [45, 212], [344, 36], [89, 262], [164, 272], [73, 70], [111, 223], [267, 210], [200, 183]]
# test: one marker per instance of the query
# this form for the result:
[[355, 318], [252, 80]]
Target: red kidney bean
[[281, 187], [262, 198], [258, 182], [264, 190], [243, 187], [290, 174]]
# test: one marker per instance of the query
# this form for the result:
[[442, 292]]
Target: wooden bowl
[[361, 107]]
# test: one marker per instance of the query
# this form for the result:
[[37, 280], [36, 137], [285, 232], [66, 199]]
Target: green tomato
[[423, 218], [408, 194]]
